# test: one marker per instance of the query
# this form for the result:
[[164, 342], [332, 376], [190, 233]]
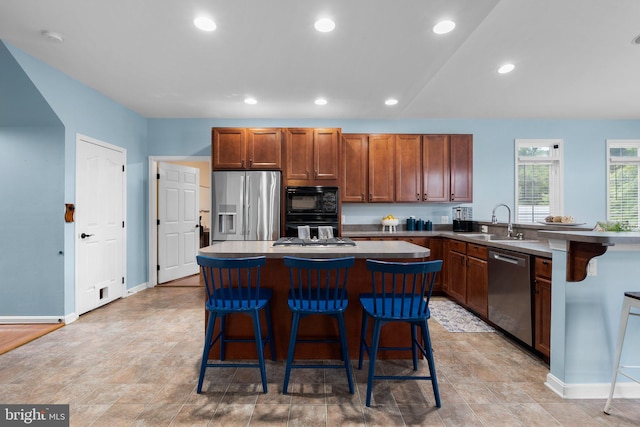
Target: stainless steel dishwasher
[[510, 293]]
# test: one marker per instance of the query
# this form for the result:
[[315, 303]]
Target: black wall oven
[[312, 206]]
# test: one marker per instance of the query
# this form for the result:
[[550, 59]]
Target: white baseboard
[[32, 319], [624, 390], [136, 289]]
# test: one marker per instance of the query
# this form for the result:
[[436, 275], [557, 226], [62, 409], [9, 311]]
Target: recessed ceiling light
[[506, 68], [444, 27], [52, 36], [321, 101], [324, 25], [250, 101], [391, 101], [204, 23]]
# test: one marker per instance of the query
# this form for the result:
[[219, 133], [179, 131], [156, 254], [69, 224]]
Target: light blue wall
[[82, 110]]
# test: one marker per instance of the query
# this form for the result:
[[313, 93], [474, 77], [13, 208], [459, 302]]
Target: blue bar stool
[[318, 286], [631, 301], [233, 286], [401, 293]]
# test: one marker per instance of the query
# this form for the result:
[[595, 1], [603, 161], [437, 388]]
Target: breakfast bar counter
[[275, 275]]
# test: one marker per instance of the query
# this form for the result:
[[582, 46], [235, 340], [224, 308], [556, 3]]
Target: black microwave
[[311, 200]]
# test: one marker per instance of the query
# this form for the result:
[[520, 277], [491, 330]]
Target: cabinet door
[[542, 334], [264, 149], [228, 148], [381, 168], [326, 153], [298, 153], [477, 286], [461, 153], [435, 161], [408, 168], [457, 267], [355, 149]]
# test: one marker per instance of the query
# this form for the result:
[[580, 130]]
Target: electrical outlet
[[592, 268], [484, 228], [444, 219]]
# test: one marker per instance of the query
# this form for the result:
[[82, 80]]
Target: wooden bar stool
[[631, 300]]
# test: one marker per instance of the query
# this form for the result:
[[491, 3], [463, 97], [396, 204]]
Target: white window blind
[[623, 200], [538, 179]]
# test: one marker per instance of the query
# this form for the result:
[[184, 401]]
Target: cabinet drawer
[[458, 246], [543, 267], [477, 251]]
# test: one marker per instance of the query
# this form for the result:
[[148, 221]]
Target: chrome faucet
[[494, 220]]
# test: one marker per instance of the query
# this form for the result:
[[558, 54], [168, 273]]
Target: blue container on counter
[[429, 225], [411, 224], [419, 225]]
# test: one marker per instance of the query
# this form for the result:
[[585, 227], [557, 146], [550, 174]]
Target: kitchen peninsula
[[586, 305], [276, 276]]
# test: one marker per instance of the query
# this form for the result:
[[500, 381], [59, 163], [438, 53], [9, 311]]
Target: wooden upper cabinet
[[408, 168], [355, 162], [435, 160], [228, 148], [312, 156], [264, 148], [326, 153], [299, 153], [381, 162], [448, 168], [461, 149], [244, 149]]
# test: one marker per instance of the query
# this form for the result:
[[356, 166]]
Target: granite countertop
[[363, 249], [604, 237], [538, 247]]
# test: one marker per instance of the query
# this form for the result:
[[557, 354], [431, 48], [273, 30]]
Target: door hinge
[[122, 224], [123, 280], [158, 222], [158, 267], [158, 176], [122, 168]]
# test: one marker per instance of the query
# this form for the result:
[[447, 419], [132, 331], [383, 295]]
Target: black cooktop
[[334, 241]]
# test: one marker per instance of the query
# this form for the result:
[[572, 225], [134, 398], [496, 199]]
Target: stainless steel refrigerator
[[246, 205]]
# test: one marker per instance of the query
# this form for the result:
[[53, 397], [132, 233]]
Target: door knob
[[84, 236]]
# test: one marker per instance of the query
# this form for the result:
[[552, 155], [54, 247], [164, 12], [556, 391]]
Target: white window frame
[[619, 143], [556, 160]]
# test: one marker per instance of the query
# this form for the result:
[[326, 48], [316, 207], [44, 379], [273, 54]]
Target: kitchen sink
[[496, 238]]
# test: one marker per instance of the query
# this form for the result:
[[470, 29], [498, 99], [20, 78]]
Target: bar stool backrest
[[318, 285], [232, 283], [402, 289]]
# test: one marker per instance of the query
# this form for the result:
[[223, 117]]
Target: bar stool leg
[[624, 318]]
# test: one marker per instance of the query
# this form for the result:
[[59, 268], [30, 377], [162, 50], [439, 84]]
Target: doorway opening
[[203, 163]]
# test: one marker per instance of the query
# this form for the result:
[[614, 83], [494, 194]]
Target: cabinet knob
[[425, 196], [370, 197], [417, 196], [250, 162], [362, 196], [242, 163], [453, 196], [316, 173]]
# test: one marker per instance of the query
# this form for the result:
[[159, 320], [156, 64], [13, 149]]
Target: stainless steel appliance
[[313, 206], [510, 302], [246, 205]]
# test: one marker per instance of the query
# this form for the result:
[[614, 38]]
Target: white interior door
[[100, 221], [178, 231]]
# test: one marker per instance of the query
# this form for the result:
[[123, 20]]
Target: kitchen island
[[275, 275]]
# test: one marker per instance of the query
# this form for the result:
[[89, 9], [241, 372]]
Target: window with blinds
[[623, 200], [538, 179]]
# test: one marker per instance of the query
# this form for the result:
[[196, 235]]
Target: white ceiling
[[573, 58]]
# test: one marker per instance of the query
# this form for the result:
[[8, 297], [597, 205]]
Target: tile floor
[[135, 363]]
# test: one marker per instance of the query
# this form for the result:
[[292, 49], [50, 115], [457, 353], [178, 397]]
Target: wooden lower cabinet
[[457, 271], [477, 279], [542, 306]]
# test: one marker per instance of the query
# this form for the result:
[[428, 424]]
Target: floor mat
[[455, 318]]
